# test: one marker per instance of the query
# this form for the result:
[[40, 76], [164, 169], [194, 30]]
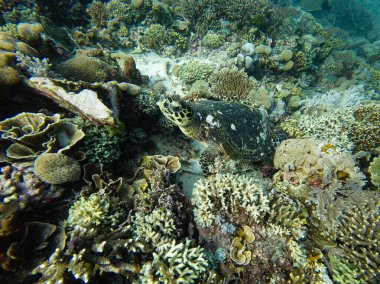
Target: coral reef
[[88, 69], [359, 237], [22, 190]]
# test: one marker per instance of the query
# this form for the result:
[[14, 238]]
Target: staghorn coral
[[56, 168], [228, 194], [27, 135], [343, 272], [154, 229], [91, 211], [316, 164]]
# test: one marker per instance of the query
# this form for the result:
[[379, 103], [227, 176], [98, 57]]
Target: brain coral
[[88, 69], [57, 168]]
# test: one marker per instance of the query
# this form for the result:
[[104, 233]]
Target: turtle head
[[177, 111]]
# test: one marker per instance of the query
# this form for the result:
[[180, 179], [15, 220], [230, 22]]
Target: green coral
[[57, 168], [374, 170], [193, 71], [103, 144], [213, 40], [343, 272], [159, 37]]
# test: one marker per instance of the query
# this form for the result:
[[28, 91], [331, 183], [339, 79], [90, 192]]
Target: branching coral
[[180, 262], [193, 71], [359, 234], [230, 84], [228, 194], [365, 131], [374, 170], [155, 228]]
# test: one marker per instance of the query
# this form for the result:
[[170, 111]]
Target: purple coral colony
[[190, 141]]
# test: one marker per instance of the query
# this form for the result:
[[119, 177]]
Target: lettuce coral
[[27, 135]]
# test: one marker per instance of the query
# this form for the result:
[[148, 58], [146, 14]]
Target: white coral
[[229, 193]]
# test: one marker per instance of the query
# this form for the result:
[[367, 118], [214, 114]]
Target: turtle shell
[[242, 131]]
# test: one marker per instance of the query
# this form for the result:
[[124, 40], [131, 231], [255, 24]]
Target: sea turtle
[[242, 132]]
